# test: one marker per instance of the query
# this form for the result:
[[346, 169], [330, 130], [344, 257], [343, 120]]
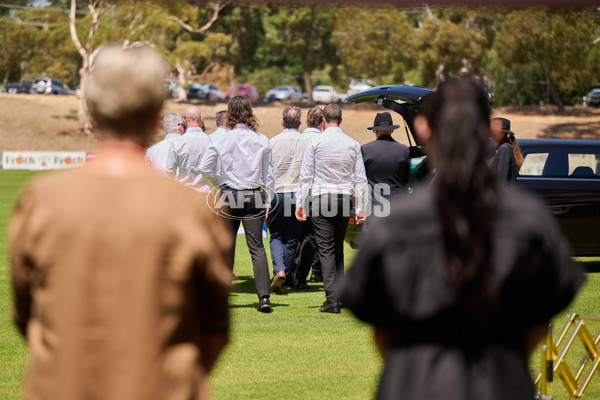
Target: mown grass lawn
[[293, 353]]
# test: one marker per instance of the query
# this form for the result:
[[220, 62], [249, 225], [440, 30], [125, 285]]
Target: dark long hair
[[466, 189]]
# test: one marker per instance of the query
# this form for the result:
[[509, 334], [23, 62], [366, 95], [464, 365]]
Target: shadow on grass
[[243, 284], [591, 266]]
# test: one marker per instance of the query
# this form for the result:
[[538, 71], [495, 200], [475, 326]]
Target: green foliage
[[549, 43], [15, 48], [265, 43], [450, 46], [243, 24], [303, 37], [375, 42]]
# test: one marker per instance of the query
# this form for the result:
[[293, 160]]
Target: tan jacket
[[115, 282]]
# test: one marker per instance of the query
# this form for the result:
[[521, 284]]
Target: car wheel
[[12, 90]]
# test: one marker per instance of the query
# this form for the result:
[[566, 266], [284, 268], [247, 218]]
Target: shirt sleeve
[[21, 260], [361, 187], [307, 173], [268, 174], [208, 165], [171, 165]]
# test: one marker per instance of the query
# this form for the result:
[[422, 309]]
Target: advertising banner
[[43, 160]]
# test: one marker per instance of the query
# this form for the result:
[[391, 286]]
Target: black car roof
[[407, 101], [559, 143], [408, 94]]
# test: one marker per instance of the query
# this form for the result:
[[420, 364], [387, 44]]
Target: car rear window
[[561, 164]]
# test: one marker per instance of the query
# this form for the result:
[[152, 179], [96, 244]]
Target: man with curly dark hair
[[238, 162]]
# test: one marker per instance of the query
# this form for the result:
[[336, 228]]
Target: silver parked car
[[282, 93], [326, 94], [48, 85]]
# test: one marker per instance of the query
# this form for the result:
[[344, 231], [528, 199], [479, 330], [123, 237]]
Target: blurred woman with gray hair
[[119, 279]]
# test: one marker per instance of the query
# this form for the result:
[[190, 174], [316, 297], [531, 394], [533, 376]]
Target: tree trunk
[[233, 83], [308, 85], [181, 72], [556, 95], [85, 120]]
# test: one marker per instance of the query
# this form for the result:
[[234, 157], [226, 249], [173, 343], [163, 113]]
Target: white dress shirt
[[241, 159], [287, 150], [161, 154], [311, 132], [333, 164], [219, 129], [185, 166]]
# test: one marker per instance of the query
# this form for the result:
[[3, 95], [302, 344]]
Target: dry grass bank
[[37, 122]]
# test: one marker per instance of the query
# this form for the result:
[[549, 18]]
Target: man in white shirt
[[239, 163], [287, 150], [314, 122], [161, 155], [306, 252], [188, 150], [220, 121], [332, 173]]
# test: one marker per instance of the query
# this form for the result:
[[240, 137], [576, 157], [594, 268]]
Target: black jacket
[[386, 161]]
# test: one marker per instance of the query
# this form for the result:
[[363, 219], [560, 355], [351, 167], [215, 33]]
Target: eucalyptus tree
[[303, 35], [556, 45], [16, 41], [375, 42], [450, 44]]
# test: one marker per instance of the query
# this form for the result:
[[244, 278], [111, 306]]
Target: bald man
[[188, 150]]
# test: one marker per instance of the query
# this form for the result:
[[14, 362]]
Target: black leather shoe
[[264, 305], [331, 307], [302, 286], [315, 278]]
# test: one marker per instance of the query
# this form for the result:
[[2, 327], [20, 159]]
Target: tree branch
[[73, 29], [217, 7], [596, 41], [93, 6]]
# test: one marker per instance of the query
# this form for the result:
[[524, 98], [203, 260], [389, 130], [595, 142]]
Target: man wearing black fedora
[[387, 162]]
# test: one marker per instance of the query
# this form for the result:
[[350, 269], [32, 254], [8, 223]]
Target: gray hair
[[125, 91], [171, 122], [332, 113], [221, 118], [292, 117]]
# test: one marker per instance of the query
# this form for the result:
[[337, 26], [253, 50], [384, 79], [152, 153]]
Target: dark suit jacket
[[386, 161]]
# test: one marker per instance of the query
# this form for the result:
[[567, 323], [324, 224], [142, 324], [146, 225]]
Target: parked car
[[282, 93], [48, 85], [565, 174], [357, 85], [204, 91], [325, 94], [18, 87], [244, 89], [592, 98]]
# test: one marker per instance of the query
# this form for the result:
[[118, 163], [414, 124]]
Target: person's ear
[[423, 130]]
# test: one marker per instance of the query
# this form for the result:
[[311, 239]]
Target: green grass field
[[295, 352]]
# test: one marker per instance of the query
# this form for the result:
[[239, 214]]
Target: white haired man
[[161, 155]]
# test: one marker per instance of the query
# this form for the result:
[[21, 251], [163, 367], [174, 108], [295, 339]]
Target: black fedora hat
[[383, 122], [505, 125]]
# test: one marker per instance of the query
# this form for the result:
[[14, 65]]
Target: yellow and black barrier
[[554, 355]]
